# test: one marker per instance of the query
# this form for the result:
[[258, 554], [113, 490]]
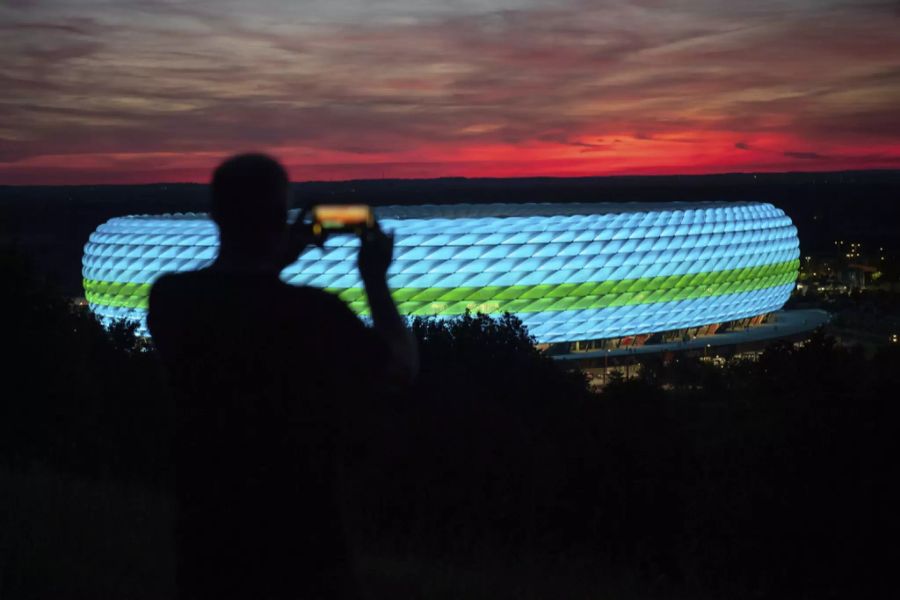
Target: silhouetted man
[[263, 371]]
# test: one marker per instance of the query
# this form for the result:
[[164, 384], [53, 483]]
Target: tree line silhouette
[[770, 478]]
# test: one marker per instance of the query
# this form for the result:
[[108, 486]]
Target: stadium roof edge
[[501, 210]]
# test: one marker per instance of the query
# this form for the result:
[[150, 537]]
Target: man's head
[[249, 204]]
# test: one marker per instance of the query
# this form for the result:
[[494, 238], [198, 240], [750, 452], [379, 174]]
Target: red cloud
[[160, 93]]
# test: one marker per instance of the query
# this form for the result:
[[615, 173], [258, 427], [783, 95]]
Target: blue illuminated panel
[[570, 272]]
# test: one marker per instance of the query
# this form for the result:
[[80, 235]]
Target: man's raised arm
[[375, 254]]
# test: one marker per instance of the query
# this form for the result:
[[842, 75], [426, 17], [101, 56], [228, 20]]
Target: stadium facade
[[570, 271]]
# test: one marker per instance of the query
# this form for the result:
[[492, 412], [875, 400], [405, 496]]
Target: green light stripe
[[521, 298]]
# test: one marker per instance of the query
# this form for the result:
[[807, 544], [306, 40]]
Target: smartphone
[[342, 218]]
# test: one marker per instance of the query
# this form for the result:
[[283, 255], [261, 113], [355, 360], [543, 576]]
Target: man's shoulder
[[184, 277], [177, 283]]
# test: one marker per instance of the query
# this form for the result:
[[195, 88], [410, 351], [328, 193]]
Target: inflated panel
[[570, 272]]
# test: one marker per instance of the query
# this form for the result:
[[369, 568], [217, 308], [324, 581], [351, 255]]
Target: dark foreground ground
[[74, 537], [497, 475]]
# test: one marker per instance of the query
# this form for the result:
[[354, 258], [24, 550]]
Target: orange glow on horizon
[[688, 153], [138, 93]]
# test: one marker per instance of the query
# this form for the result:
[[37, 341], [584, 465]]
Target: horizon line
[[480, 178]]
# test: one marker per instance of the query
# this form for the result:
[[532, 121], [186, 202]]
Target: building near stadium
[[570, 272]]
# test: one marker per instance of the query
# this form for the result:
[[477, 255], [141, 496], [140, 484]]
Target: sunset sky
[[151, 91]]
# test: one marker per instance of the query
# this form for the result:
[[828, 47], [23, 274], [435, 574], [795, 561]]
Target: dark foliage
[[763, 479], [757, 479], [77, 396], [470, 449]]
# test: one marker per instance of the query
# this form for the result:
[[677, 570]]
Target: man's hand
[[376, 251], [299, 236]]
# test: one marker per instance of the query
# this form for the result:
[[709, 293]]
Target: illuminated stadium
[[571, 272]]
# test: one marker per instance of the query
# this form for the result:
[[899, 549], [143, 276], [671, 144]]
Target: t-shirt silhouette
[[264, 373]]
